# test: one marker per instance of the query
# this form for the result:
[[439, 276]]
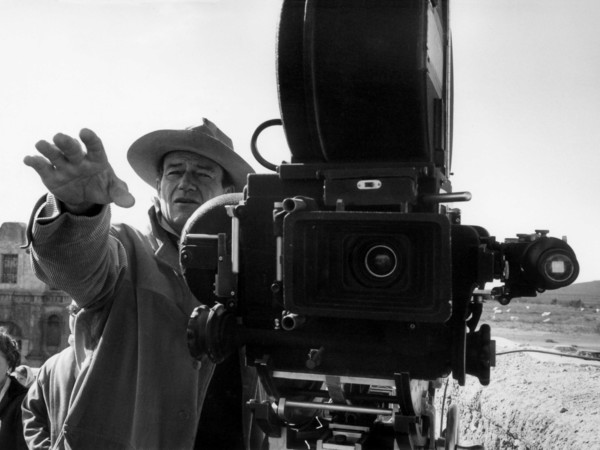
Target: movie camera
[[345, 274]]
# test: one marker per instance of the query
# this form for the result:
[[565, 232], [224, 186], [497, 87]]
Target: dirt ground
[[535, 400]]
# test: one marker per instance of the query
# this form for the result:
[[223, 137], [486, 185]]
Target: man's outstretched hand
[[79, 178]]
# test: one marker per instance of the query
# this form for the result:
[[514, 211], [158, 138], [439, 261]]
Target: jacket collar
[[165, 242]]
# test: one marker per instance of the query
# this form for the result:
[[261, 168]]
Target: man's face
[[3, 367], [188, 180]]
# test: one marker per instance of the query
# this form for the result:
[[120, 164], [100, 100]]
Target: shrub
[[576, 304]]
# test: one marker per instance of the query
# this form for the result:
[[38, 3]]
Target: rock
[[534, 401]]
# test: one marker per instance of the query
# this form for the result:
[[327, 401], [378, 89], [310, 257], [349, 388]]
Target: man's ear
[[230, 189], [158, 186]]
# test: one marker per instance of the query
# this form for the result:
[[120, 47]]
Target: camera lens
[[381, 261], [558, 267]]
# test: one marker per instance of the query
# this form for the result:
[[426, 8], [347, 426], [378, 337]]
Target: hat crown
[[147, 152], [210, 129]]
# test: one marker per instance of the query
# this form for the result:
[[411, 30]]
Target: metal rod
[[279, 258], [283, 403], [235, 245]]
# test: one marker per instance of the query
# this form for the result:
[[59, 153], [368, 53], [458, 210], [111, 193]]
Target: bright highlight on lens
[[381, 261]]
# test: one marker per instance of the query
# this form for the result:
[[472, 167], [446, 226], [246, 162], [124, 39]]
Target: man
[[47, 401], [137, 386]]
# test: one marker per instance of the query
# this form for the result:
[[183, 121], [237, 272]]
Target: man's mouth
[[186, 201]]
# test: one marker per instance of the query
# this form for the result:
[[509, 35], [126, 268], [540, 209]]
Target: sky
[[526, 117]]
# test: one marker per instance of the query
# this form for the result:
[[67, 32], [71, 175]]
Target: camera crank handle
[[254, 148], [447, 198]]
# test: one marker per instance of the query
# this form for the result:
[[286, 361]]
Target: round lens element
[[381, 261], [558, 267]]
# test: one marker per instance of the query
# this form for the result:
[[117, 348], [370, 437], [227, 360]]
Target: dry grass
[[568, 317]]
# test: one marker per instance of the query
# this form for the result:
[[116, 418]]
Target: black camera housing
[[348, 264], [365, 94]]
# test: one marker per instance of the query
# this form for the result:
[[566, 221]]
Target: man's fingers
[[117, 189], [76, 176], [39, 164], [71, 148], [95, 148], [51, 152]]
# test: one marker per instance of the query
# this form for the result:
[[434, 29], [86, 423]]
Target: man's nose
[[187, 182]]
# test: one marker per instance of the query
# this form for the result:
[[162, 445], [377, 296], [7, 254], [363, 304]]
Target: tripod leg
[[409, 423], [452, 428]]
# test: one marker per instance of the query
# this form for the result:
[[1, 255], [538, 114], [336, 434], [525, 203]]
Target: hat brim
[[146, 153]]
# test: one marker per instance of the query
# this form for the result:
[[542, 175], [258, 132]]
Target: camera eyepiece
[[537, 263], [550, 263], [558, 268]]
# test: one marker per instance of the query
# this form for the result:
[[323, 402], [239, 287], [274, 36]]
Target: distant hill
[[588, 293]]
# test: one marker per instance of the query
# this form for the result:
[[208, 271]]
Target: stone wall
[[34, 313]]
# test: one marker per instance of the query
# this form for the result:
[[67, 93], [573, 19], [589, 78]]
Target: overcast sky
[[527, 92]]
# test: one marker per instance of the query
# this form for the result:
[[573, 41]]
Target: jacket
[[47, 402], [138, 387], [11, 429]]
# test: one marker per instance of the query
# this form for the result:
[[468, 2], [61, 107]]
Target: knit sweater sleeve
[[77, 254]]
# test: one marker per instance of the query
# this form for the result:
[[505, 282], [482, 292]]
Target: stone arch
[[52, 336], [53, 333]]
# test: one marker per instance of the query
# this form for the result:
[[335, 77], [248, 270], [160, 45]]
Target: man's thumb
[[120, 195]]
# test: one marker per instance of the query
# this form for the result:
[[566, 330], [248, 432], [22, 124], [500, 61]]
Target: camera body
[[372, 292], [347, 266], [370, 318]]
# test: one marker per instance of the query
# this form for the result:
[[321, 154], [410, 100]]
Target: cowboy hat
[[146, 154]]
